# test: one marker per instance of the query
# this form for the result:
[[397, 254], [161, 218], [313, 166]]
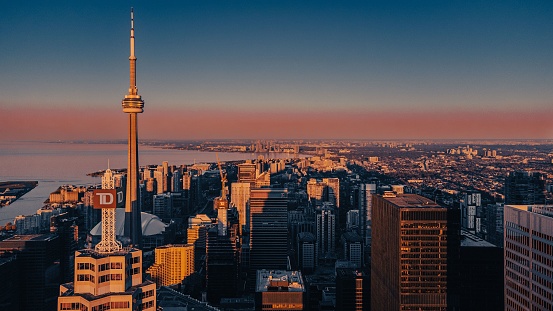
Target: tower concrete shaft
[[133, 104]]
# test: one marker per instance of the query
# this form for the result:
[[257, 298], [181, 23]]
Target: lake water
[[56, 164]]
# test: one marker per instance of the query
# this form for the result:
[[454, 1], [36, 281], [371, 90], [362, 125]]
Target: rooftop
[[279, 280], [545, 210], [471, 240], [410, 201]]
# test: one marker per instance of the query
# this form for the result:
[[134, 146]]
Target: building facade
[[528, 255], [411, 242]]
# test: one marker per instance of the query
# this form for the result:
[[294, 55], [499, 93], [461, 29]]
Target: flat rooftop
[[410, 201], [279, 281], [470, 240], [544, 210]]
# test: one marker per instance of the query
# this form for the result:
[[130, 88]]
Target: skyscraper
[[525, 188], [326, 230], [239, 198], [411, 241], [132, 105], [366, 192], [528, 256], [269, 229]]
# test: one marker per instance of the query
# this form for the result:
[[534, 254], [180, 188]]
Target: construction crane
[[220, 204], [223, 178]]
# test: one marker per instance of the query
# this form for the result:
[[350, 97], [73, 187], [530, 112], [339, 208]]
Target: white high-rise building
[[528, 255]]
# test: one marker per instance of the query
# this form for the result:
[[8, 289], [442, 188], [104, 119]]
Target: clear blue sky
[[304, 56]]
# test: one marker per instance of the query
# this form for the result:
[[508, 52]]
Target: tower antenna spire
[[133, 105]]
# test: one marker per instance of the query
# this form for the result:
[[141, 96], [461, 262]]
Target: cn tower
[[133, 104]]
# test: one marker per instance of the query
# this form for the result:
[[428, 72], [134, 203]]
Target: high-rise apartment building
[[268, 229], [414, 244], [528, 256], [172, 264]]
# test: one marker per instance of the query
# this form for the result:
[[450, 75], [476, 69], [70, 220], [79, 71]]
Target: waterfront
[[56, 164]]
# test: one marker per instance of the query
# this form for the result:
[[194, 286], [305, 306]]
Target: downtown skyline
[[268, 69]]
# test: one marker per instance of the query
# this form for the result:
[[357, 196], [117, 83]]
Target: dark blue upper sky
[[301, 55]]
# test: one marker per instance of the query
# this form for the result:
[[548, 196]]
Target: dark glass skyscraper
[[412, 238], [269, 229]]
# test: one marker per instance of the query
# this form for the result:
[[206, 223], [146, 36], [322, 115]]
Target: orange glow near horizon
[[82, 124]]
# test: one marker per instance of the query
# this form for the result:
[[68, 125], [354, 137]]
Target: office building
[[334, 194], [470, 203], [349, 290], [352, 220], [172, 264], [353, 248], [366, 191], [414, 246], [279, 290], [38, 280], [247, 173], [306, 252], [481, 274], [222, 264], [528, 256], [523, 187], [162, 206], [268, 229], [325, 230], [239, 198]]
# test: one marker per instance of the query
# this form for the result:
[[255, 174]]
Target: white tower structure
[[108, 180], [132, 105]]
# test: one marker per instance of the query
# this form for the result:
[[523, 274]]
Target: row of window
[[112, 305], [73, 306]]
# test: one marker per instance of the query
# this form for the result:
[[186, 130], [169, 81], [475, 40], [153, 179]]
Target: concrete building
[[279, 290], [414, 245], [106, 281], [172, 264], [528, 255]]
